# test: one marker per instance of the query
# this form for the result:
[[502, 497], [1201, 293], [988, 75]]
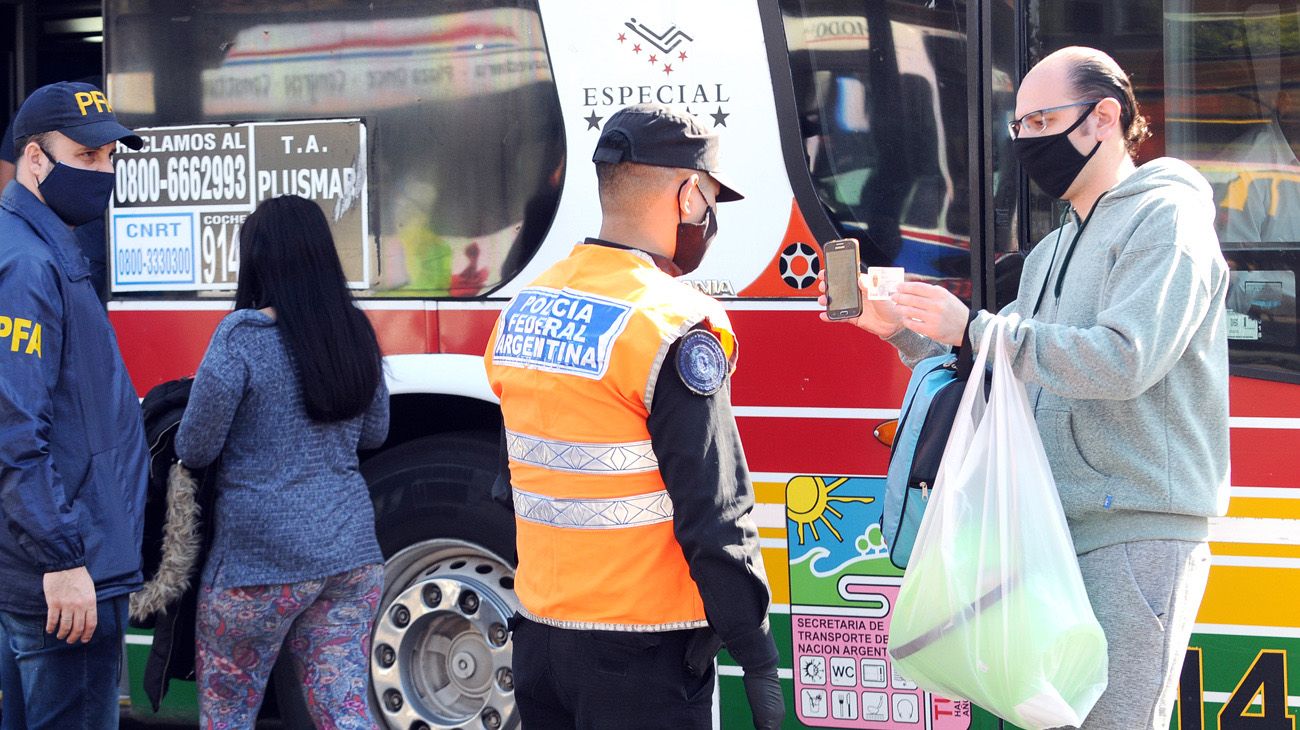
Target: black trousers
[[593, 680]]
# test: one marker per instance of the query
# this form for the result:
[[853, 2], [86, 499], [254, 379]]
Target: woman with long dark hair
[[290, 389]]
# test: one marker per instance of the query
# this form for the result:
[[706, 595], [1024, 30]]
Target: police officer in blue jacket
[[73, 460]]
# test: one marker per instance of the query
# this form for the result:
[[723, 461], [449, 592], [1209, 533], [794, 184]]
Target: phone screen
[[842, 294]]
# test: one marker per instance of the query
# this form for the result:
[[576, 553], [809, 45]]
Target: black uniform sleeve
[[703, 467], [501, 489]]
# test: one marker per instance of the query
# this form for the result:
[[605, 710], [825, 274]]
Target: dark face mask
[[1051, 161], [693, 239], [76, 196]]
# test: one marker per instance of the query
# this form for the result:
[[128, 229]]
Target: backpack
[[925, 420]]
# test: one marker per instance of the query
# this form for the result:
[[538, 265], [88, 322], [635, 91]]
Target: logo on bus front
[[665, 54]]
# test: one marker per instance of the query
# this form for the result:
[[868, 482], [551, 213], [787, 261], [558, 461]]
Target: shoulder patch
[[701, 363]]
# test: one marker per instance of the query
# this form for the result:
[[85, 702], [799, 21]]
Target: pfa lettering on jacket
[[23, 335], [565, 331]]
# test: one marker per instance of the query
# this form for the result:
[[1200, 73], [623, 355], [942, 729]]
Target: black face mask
[[75, 195], [1051, 161], [693, 239]]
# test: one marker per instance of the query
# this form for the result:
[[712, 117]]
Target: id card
[[883, 281]]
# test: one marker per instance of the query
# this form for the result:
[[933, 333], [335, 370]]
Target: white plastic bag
[[993, 608]]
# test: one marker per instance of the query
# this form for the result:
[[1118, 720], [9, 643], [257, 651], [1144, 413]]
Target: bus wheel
[[440, 654]]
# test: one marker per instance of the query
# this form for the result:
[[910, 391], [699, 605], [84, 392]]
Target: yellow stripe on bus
[[1287, 509], [777, 564], [1251, 596], [1248, 549], [769, 492], [775, 560]]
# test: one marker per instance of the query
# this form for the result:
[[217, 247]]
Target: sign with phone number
[[180, 201]]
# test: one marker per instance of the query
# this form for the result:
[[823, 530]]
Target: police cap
[[651, 134]]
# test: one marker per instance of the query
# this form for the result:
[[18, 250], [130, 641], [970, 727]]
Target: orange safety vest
[[574, 359]]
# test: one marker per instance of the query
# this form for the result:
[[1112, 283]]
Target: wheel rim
[[440, 657]]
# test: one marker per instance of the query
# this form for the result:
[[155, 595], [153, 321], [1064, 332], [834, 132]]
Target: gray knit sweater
[[291, 502], [1128, 370]]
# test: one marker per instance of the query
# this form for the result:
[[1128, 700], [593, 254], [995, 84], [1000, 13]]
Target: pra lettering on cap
[[21, 333]]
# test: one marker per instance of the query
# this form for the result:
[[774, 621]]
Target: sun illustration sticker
[[842, 592], [808, 499]]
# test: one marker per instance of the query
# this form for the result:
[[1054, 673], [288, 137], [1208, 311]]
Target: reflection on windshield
[[467, 151], [1234, 112], [880, 89], [330, 67]]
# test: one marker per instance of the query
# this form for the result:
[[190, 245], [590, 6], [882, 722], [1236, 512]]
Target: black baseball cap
[[78, 110], [650, 134]]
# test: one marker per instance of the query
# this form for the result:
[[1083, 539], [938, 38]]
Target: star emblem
[[653, 58], [719, 119], [668, 69], [593, 121], [636, 48], [622, 37], [681, 56]]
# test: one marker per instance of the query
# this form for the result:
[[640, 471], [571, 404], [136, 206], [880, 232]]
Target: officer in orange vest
[[637, 552]]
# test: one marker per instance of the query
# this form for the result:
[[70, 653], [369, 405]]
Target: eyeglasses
[[1036, 122]]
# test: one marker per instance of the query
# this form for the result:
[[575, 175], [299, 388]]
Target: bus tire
[[440, 655]]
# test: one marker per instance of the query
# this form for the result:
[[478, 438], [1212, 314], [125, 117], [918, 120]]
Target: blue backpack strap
[[922, 371], [900, 517]]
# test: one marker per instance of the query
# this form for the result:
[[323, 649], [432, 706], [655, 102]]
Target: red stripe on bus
[[794, 359], [1254, 398], [162, 345], [1266, 457], [812, 446], [465, 331], [158, 346]]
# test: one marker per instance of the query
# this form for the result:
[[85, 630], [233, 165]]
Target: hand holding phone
[[843, 297], [842, 288]]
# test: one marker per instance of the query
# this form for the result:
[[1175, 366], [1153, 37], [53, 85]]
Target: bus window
[[881, 96], [1220, 82], [463, 120]]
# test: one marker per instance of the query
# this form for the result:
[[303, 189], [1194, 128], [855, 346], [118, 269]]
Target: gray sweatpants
[[1145, 595]]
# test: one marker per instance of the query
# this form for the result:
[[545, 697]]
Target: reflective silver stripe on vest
[[631, 457], [594, 514], [626, 628]]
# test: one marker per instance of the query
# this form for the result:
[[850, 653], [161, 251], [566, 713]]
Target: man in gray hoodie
[[1122, 346]]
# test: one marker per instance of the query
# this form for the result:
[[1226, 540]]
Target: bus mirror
[[884, 433]]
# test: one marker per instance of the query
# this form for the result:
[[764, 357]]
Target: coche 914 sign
[[181, 199]]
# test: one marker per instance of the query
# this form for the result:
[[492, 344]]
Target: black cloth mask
[[75, 195], [1051, 161], [693, 239]]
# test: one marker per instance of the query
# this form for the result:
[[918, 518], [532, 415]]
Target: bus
[[449, 144]]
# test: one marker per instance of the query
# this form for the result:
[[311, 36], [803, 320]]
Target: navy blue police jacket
[[73, 459]]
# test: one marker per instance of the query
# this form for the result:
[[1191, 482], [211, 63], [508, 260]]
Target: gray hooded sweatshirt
[[1128, 370]]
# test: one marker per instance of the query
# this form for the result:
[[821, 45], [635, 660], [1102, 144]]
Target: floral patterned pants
[[324, 624]]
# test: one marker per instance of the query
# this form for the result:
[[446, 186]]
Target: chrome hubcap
[[441, 654]]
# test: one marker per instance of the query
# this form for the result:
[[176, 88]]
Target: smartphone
[[843, 298]]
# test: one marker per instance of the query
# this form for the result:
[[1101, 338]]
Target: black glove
[[701, 650], [766, 701]]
